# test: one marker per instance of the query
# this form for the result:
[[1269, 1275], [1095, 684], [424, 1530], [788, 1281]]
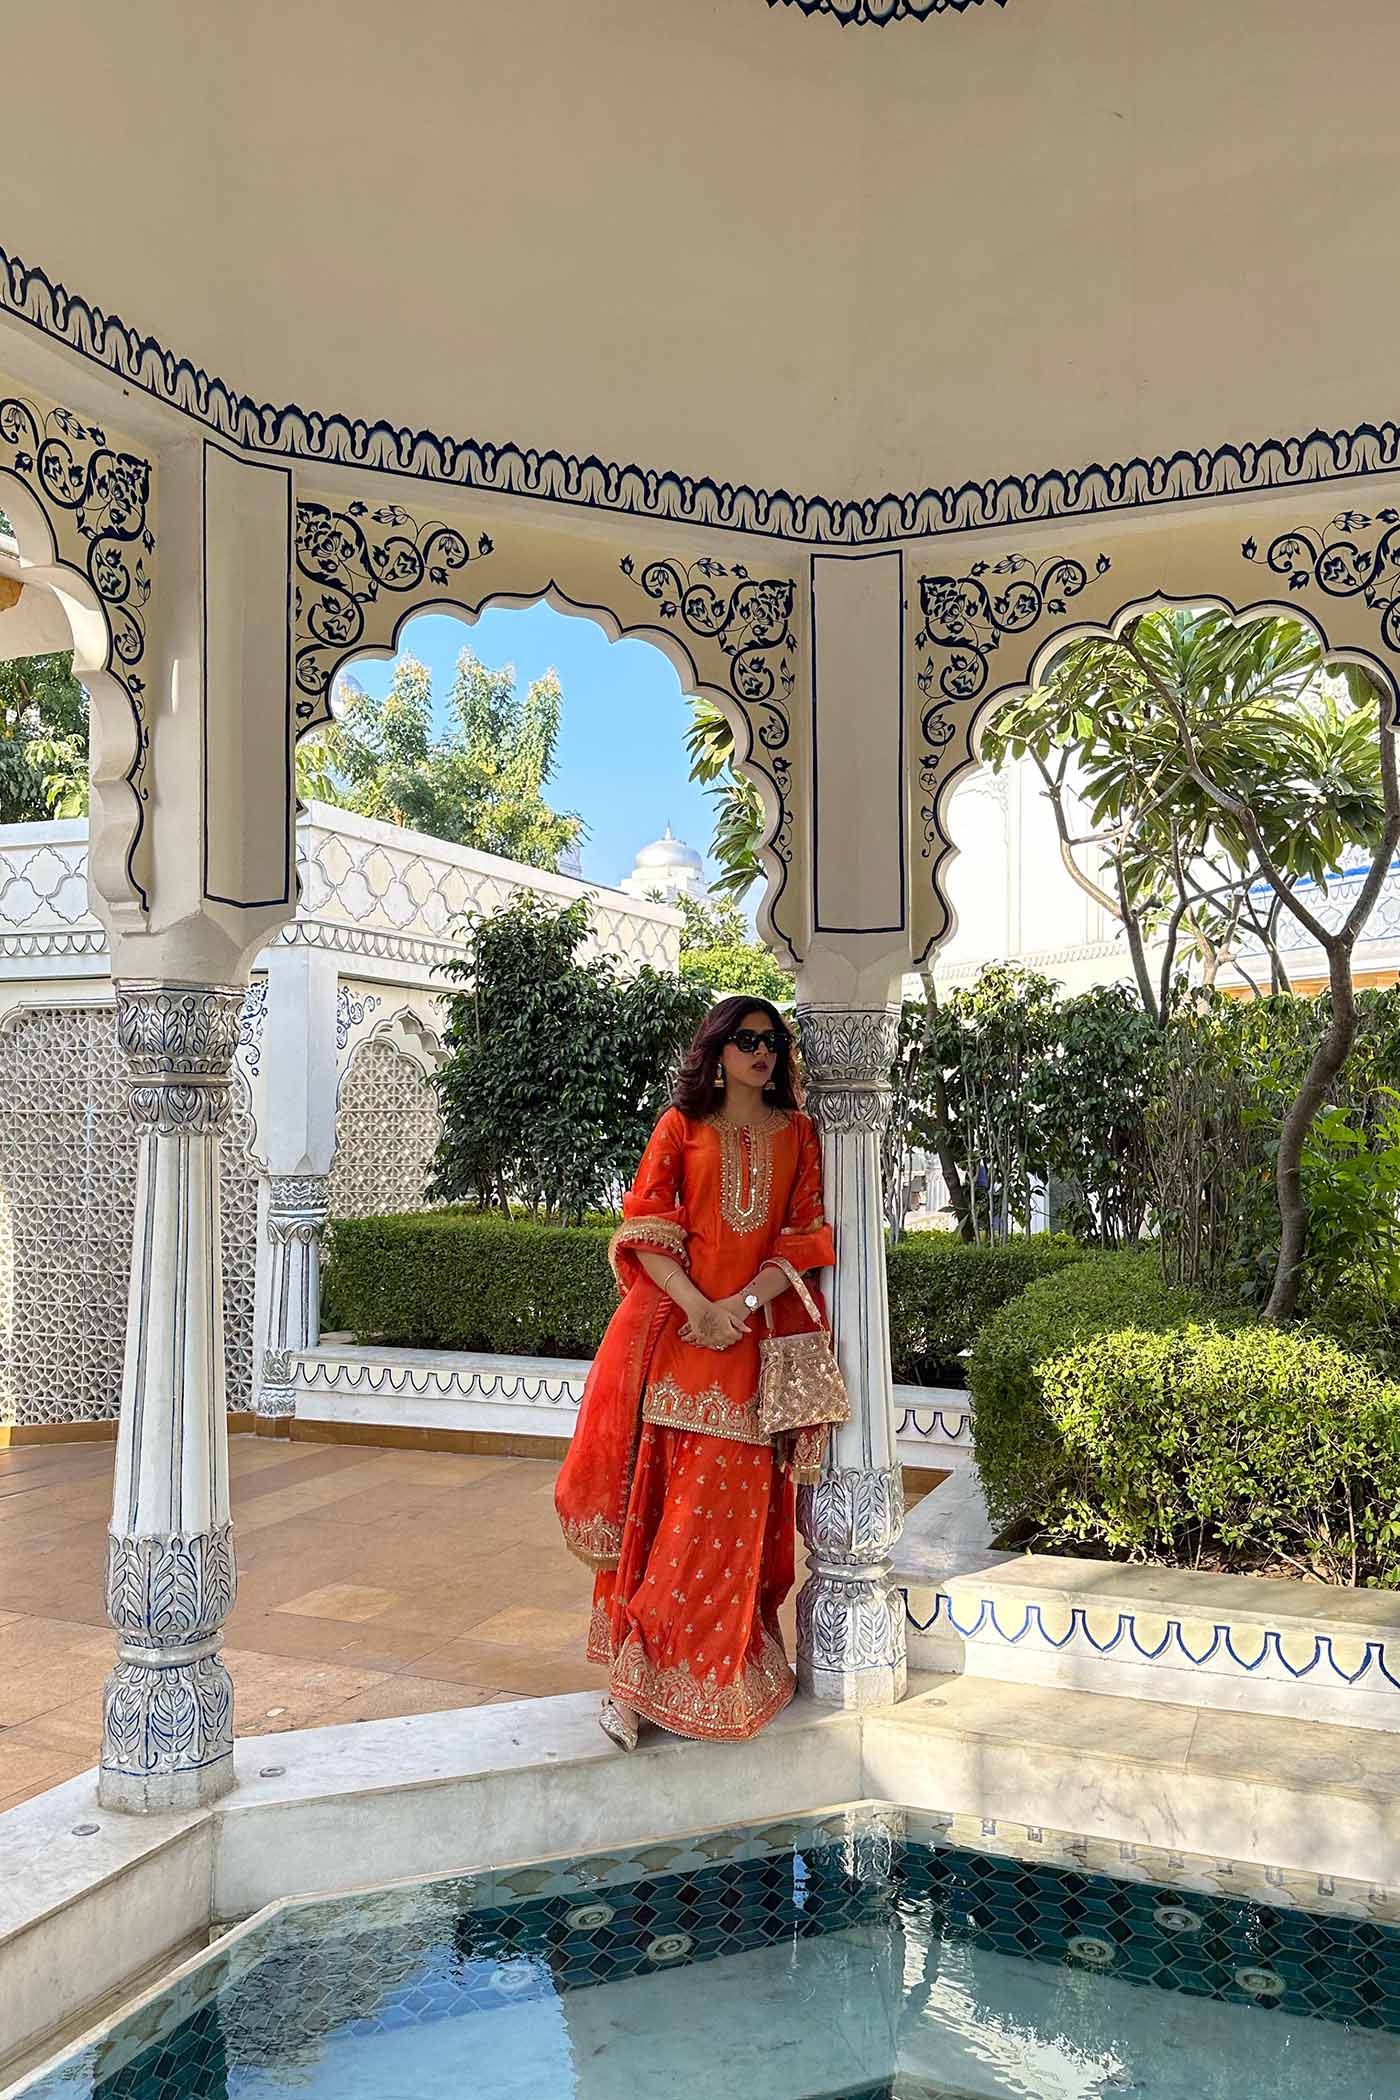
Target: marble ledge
[[1187, 1593]]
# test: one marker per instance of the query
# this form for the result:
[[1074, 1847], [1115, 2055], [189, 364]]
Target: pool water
[[869, 1954]]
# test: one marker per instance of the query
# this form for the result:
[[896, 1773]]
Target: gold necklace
[[746, 1171]]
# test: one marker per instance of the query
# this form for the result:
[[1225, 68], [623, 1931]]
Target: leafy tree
[[43, 740], [1226, 1073], [738, 805], [1163, 854], [1093, 1089], [719, 955], [557, 1068], [1217, 761], [481, 784], [1017, 1089]]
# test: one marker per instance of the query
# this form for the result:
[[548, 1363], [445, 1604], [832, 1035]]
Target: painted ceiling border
[[590, 483], [876, 14]]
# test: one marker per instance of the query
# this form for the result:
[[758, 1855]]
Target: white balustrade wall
[[387, 907]]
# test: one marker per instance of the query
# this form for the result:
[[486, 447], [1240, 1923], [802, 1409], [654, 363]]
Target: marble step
[[1287, 1795]]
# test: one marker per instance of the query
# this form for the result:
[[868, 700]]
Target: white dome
[[669, 852]]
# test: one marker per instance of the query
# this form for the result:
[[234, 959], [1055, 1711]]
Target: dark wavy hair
[[695, 1093]]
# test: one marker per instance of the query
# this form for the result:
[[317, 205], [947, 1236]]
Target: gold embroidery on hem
[[701, 1707], [667, 1405], [650, 1232], [599, 1646], [746, 1171], [593, 1540]]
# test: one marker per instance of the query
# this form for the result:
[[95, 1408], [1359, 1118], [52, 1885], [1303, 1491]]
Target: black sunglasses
[[750, 1039]]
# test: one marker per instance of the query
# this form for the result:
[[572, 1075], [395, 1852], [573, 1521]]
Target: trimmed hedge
[[1113, 1412], [1270, 1444], [943, 1292], [1020, 1454], [454, 1279]]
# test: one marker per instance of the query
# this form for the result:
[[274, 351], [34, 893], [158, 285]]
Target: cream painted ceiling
[[732, 240]]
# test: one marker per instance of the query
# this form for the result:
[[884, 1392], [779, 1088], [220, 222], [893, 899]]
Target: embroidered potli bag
[[799, 1381]]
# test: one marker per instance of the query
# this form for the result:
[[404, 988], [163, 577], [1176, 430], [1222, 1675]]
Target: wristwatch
[[751, 1299]]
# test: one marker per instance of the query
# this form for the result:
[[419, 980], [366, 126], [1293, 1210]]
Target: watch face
[[751, 1300]]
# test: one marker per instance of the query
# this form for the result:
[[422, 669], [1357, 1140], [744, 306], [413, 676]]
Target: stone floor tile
[[341, 1601], [74, 1728], [524, 1626], [493, 1665], [28, 1766], [32, 1687], [474, 1546], [273, 1692]]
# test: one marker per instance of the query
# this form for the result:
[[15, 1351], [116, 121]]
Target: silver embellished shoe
[[616, 1726]]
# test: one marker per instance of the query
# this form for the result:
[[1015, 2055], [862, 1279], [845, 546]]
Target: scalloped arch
[[1110, 627], [772, 781], [119, 733]]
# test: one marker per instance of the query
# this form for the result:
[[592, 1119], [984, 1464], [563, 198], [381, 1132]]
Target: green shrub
[[1269, 1444], [943, 1291], [453, 1279], [461, 1279], [1020, 1453]]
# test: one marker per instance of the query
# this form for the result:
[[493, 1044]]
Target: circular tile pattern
[[1092, 1951], [1175, 1917], [1260, 1983], [669, 1946], [590, 1917]]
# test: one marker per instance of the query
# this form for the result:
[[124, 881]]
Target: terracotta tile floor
[[370, 1583]]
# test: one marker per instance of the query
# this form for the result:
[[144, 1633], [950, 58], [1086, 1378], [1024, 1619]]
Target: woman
[[670, 1490]]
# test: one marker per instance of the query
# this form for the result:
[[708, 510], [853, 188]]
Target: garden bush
[[464, 1279], [1020, 1454], [1254, 1446], [943, 1291], [1116, 1414], [452, 1279]]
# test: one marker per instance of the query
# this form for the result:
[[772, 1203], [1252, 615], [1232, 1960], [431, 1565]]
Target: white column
[[167, 1724], [300, 1080], [850, 1624]]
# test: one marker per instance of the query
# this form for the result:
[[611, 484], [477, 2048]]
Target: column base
[[167, 1736], [850, 1638], [275, 1399], [165, 1793]]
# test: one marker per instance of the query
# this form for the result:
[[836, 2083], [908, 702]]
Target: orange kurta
[[687, 1619]]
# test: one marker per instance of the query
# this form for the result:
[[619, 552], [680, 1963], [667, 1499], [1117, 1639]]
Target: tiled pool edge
[[358, 1804], [857, 1822], [379, 1801]]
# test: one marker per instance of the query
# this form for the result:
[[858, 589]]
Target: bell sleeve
[[805, 1241], [653, 1210]]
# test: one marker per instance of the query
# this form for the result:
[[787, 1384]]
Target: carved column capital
[[847, 1053], [180, 1041], [297, 1208]]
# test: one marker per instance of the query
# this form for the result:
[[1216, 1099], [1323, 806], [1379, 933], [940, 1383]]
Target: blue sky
[[622, 762]]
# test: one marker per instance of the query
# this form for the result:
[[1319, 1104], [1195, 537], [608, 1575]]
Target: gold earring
[[719, 1076]]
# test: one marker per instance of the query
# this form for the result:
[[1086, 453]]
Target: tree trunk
[[1136, 947], [1327, 1061], [947, 1157]]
